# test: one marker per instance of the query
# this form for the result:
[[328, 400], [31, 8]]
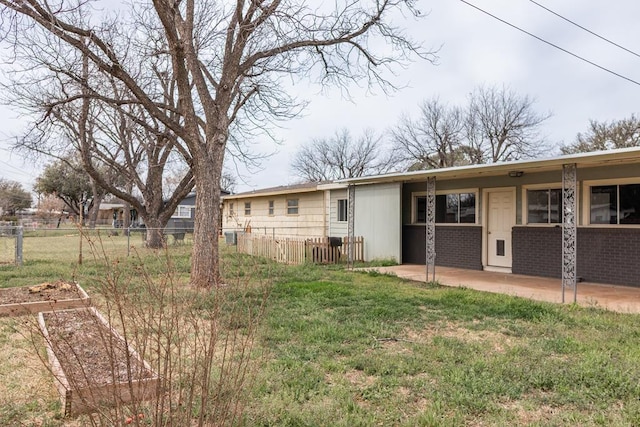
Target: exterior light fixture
[[515, 174]]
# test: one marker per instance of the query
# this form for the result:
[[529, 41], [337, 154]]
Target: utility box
[[231, 237]]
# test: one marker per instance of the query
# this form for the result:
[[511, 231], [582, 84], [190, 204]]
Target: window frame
[[178, 214], [474, 191], [339, 210], [586, 200], [290, 207], [247, 208], [525, 205], [231, 213], [271, 207]]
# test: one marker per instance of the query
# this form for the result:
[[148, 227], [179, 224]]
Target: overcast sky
[[475, 49]]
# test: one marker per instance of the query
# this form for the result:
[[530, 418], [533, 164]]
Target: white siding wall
[[378, 219], [309, 222], [337, 229]]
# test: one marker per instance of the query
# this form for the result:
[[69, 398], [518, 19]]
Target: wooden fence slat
[[299, 250]]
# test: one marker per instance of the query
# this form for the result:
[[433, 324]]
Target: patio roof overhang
[[582, 160]]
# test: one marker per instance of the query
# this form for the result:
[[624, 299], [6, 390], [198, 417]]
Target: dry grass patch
[[27, 394], [499, 341]]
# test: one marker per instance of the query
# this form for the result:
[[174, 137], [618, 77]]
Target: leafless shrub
[[199, 342]]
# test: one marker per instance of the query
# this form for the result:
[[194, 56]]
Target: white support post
[[351, 199]]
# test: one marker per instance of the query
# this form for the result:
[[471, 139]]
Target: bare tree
[[622, 133], [434, 140], [229, 181], [227, 61], [502, 126], [124, 150], [341, 156]]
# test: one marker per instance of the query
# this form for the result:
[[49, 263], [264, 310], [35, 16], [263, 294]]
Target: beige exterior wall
[[309, 222]]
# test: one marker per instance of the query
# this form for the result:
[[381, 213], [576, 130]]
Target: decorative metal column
[[351, 200], [430, 241], [569, 229]]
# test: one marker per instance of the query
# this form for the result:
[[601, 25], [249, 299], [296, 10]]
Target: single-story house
[[182, 219], [113, 214], [300, 210], [509, 216]]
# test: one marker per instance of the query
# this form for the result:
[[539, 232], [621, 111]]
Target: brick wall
[[605, 255], [537, 251], [456, 246], [609, 255]]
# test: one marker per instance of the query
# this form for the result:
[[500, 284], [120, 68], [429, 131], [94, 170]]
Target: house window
[[615, 204], [453, 208], [420, 215], [343, 210], [247, 208], [183, 211], [271, 207], [292, 207], [544, 206], [231, 209]]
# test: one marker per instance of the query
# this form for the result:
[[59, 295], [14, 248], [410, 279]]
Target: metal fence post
[[19, 245]]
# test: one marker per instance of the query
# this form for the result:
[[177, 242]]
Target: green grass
[[355, 349], [358, 349]]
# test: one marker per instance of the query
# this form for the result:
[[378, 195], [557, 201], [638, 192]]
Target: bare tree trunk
[[93, 211], [155, 233], [126, 216], [205, 266]]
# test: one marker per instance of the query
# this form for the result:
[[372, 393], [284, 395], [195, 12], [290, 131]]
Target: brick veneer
[[537, 251], [456, 246], [605, 255]]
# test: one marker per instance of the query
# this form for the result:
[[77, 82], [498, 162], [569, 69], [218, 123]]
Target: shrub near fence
[[292, 250]]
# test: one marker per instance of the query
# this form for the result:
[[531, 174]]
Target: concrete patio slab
[[624, 299]]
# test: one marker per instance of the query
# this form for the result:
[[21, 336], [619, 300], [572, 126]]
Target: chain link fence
[[18, 243], [50, 241], [10, 245]]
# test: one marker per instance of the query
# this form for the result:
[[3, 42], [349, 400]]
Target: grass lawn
[[362, 349]]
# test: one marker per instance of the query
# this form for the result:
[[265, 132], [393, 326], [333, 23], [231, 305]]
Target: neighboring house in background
[[508, 216], [302, 210], [113, 214], [184, 216], [183, 219]]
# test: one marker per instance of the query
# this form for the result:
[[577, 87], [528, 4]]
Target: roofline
[[273, 192], [332, 186], [582, 159]]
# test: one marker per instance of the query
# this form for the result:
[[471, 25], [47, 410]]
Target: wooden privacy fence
[[296, 250]]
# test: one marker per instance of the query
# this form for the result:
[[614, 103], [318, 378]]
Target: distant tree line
[[496, 125]]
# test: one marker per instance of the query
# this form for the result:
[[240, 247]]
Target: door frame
[[485, 223]]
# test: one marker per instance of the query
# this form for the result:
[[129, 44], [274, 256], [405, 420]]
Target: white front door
[[500, 220]]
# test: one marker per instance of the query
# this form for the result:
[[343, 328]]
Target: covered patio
[[624, 299]]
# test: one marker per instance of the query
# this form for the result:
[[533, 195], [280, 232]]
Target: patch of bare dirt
[[47, 291], [528, 413], [88, 352]]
